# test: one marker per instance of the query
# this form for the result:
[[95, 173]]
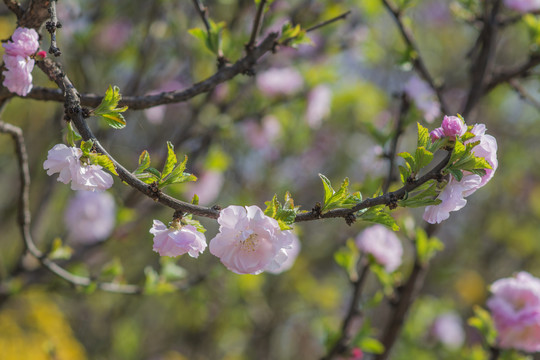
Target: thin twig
[[257, 23], [524, 94], [483, 61], [329, 21], [51, 26], [418, 61], [353, 313], [403, 109], [494, 353], [522, 70], [203, 13]]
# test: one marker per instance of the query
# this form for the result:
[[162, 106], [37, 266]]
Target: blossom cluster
[[515, 307], [248, 241], [454, 194], [18, 61], [67, 162], [383, 245]]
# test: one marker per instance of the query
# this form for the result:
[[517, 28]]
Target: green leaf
[[426, 247], [59, 251], [108, 109], [153, 171], [410, 161], [347, 257], [424, 140], [144, 162], [105, 162], [422, 157], [113, 268], [171, 160], [284, 214], [404, 173], [370, 345], [170, 271], [195, 199], [328, 190], [377, 215], [86, 147], [177, 175], [72, 136], [340, 199], [188, 220], [457, 174], [483, 322]]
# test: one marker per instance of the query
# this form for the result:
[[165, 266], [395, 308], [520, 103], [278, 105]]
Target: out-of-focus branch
[[524, 94], [418, 62], [15, 7], [353, 313], [203, 12], [484, 59], [521, 71], [403, 109], [257, 23], [494, 353], [35, 15], [24, 219]]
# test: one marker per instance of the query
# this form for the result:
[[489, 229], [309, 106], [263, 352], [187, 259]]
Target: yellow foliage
[[33, 327]]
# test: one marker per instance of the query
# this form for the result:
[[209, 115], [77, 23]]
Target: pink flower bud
[[436, 134], [41, 55], [453, 126]]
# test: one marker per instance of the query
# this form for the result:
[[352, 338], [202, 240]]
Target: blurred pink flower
[[487, 149], [260, 136], [448, 330], [156, 114], [523, 6], [515, 306], [207, 187], [318, 105], [250, 242], [114, 35], [19, 65], [24, 43], [174, 242], [356, 354], [423, 97], [65, 161], [285, 81], [436, 134], [292, 254], [383, 244], [90, 216]]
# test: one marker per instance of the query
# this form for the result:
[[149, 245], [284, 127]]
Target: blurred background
[[331, 108]]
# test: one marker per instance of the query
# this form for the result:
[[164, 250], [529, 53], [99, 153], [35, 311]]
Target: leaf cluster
[[285, 213]]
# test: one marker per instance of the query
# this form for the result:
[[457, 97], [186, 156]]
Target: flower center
[[249, 243]]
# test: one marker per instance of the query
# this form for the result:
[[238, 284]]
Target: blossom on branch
[[383, 245], [177, 240], [515, 307], [454, 193], [67, 162], [250, 242], [292, 254], [19, 65], [90, 216]]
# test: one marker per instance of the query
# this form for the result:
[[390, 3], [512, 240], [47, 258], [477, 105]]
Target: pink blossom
[[356, 354], [453, 126], [424, 98], [66, 161], [487, 149], [114, 35], [318, 105], [382, 244], [292, 254], [177, 241], [284, 81], [90, 216], [452, 197], [18, 77], [92, 178], [448, 330], [437, 134], [523, 6], [24, 43], [250, 242], [515, 306]]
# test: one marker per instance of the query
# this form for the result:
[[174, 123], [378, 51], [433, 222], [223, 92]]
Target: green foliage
[[211, 38], [284, 214], [170, 271], [387, 280], [463, 159], [108, 109], [426, 247], [71, 135], [423, 195], [423, 155], [376, 214], [187, 219], [340, 199], [483, 322], [172, 173], [156, 284], [347, 257], [59, 251], [113, 269], [370, 345], [294, 35]]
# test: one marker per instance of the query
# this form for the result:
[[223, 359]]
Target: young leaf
[[72, 136], [144, 162], [108, 110], [86, 147], [483, 322], [171, 160], [377, 215], [105, 162], [426, 247], [424, 140], [59, 251], [422, 157]]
